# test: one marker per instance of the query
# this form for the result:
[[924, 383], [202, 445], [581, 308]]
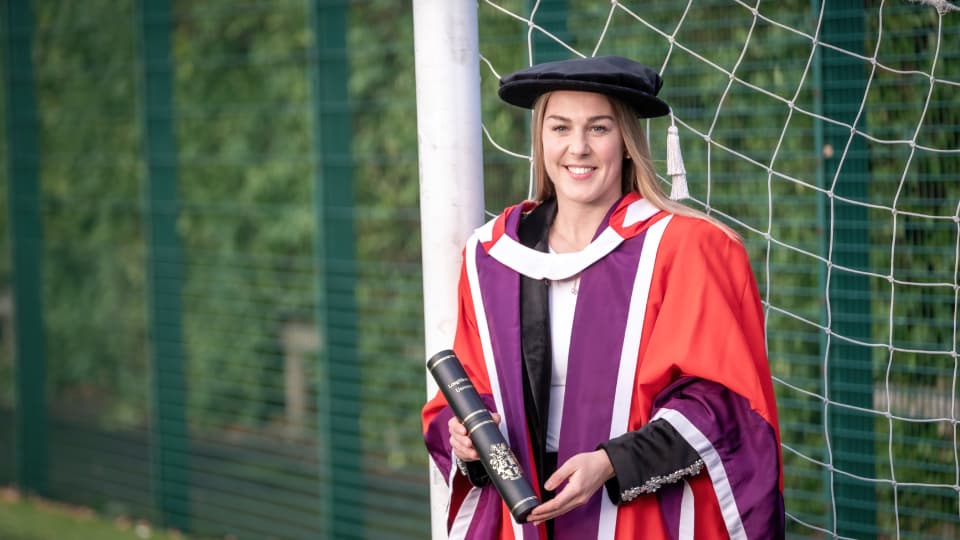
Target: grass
[[30, 518]]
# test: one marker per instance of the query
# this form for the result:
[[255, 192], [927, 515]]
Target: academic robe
[[668, 325]]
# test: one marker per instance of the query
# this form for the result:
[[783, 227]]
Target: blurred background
[[209, 243]]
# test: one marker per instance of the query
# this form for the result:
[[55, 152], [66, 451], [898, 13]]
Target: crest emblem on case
[[504, 462]]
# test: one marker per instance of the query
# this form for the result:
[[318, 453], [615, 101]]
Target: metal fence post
[[26, 245], [336, 268], [850, 373], [170, 443]]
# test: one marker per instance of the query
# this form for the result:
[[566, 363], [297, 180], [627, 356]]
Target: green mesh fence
[[223, 247]]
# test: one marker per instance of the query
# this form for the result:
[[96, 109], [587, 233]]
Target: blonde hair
[[638, 174]]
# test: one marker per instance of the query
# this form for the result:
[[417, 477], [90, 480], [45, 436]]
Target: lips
[[580, 171]]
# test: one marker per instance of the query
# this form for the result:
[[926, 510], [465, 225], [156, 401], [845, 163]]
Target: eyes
[[596, 129]]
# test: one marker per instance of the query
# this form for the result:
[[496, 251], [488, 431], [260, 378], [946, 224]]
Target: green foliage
[[90, 180], [243, 131]]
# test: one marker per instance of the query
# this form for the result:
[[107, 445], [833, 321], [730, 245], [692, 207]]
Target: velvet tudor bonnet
[[631, 82]]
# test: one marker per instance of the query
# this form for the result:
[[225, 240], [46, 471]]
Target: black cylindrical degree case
[[497, 457]]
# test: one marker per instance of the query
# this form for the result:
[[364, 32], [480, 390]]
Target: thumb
[[559, 477], [496, 418]]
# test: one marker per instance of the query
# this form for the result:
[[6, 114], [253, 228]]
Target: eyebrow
[[591, 119]]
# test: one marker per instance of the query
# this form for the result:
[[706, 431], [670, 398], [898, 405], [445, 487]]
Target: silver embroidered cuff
[[462, 466], [656, 482]]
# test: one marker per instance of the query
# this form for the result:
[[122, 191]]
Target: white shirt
[[562, 301]]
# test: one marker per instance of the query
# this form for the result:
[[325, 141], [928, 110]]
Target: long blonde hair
[[638, 174]]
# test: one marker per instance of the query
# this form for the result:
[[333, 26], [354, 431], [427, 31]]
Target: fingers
[[560, 475], [459, 441], [567, 499], [562, 502], [455, 427], [583, 474]]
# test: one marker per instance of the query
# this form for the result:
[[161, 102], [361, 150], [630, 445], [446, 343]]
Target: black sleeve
[[646, 459], [475, 471]]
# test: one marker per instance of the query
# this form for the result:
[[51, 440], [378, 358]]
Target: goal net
[[827, 133]]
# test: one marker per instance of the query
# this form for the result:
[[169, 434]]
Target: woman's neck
[[574, 226]]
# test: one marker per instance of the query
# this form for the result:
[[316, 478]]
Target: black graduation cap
[[632, 82]]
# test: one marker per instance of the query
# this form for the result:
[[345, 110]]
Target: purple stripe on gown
[[596, 344], [747, 448], [437, 439], [485, 521], [482, 525], [501, 303]]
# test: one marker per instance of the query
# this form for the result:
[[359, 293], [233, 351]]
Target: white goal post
[[450, 155]]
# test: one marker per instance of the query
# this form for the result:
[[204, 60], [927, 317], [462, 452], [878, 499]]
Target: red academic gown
[[668, 325]]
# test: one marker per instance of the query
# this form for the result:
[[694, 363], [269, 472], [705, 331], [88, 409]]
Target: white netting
[[826, 133]]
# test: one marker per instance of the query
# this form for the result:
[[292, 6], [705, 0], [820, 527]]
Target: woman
[[618, 333]]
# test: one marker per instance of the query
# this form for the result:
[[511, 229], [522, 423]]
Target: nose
[[580, 146]]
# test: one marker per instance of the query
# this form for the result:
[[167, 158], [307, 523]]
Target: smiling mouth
[[580, 170]]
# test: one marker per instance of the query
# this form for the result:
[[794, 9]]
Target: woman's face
[[582, 148]]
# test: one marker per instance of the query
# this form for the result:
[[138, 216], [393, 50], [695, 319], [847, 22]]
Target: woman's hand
[[584, 474], [461, 443]]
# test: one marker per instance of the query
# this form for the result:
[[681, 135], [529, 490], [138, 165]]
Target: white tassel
[[675, 169]]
